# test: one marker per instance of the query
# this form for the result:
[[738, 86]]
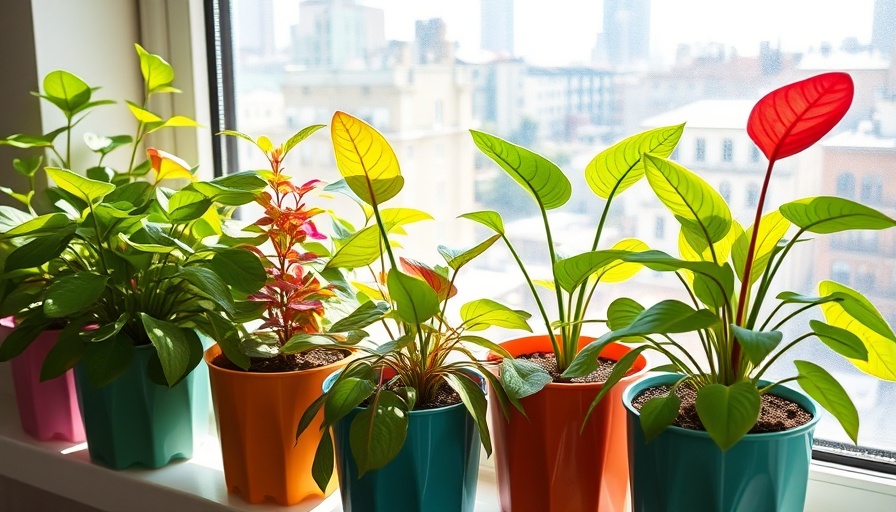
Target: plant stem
[[544, 315], [774, 358]]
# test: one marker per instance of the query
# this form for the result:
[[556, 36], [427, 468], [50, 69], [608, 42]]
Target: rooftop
[[727, 114]]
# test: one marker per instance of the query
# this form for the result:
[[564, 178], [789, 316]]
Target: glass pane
[[568, 78]]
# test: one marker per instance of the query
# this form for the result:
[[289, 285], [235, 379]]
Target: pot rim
[[789, 393], [629, 378], [207, 356]]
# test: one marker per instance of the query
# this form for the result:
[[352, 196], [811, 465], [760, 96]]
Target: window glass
[[567, 79]]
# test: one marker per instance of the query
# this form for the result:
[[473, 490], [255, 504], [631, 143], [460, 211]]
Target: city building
[[624, 43], [337, 34]]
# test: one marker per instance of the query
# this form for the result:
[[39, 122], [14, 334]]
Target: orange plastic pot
[[257, 416], [543, 463]]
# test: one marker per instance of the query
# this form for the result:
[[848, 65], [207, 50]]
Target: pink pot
[[47, 410]]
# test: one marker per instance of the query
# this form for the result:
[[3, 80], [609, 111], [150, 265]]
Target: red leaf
[[435, 280], [792, 118]]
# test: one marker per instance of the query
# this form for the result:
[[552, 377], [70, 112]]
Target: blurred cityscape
[[424, 95]]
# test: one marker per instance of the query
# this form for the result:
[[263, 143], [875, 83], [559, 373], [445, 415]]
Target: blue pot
[[683, 470], [435, 471]]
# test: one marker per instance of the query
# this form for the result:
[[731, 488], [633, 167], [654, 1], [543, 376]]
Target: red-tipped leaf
[[792, 118], [439, 284]]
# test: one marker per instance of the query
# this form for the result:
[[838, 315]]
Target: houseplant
[[258, 410], [134, 272], [50, 409], [404, 414], [739, 455], [542, 461]]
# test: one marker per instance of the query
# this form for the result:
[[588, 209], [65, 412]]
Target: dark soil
[[445, 396], [548, 361], [285, 363], [777, 415]]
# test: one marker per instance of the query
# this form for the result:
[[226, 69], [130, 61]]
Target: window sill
[[64, 469]]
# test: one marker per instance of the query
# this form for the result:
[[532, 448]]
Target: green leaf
[[772, 228], [472, 396], [696, 205], [240, 135], [27, 166], [796, 298], [620, 166], [457, 258], [833, 214], [395, 217], [157, 74], [484, 313], [11, 217], [365, 159], [104, 332], [304, 342], [38, 251], [89, 190], [488, 219], [622, 312], [143, 115], [173, 122], [243, 269], [322, 468], [522, 378], [416, 302], [482, 342], [65, 354], [658, 413], [666, 317], [50, 222], [107, 360], [728, 413], [721, 278], [536, 174], [572, 272], [66, 91], [361, 249], [310, 415], [366, 314], [303, 134], [840, 340], [73, 293], [187, 205], [23, 141], [345, 396], [757, 345], [622, 366], [171, 344], [21, 337], [824, 389], [209, 284], [222, 330], [377, 433]]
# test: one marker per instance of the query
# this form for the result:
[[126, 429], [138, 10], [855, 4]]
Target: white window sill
[[64, 469]]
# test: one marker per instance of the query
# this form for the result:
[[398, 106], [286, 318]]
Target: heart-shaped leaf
[[66, 91], [365, 159], [824, 388], [157, 74], [487, 218], [728, 412], [622, 312], [792, 118], [415, 301], [377, 433], [756, 345]]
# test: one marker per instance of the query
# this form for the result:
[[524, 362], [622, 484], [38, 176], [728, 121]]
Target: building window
[[727, 150], [725, 191], [872, 189], [700, 152], [840, 272], [660, 228], [752, 195], [846, 185]]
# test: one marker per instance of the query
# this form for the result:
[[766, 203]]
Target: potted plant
[[134, 272], [260, 386], [546, 460], [49, 409], [747, 441], [404, 414]]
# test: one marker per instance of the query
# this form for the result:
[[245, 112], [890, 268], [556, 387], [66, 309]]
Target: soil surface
[[445, 396], [777, 415], [548, 362], [285, 363]]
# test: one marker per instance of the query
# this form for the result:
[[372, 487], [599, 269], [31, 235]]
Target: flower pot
[[257, 417], [134, 421], [48, 410], [435, 471], [543, 463], [683, 470]]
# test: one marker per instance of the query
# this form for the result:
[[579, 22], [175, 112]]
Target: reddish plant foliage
[[293, 296]]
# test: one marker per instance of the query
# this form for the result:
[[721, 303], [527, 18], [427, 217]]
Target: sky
[[560, 32]]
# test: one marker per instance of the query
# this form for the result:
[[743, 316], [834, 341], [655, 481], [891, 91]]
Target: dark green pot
[[134, 421], [435, 471], [683, 470]]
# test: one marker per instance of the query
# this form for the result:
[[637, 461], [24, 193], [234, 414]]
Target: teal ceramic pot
[[684, 471], [133, 421], [435, 471]]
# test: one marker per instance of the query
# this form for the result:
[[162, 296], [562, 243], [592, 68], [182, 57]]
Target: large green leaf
[[487, 218], [240, 268], [824, 389], [666, 317], [658, 413], [324, 460], [573, 271], [366, 314], [107, 360], [301, 135], [187, 205], [72, 293], [365, 159], [828, 214], [854, 313], [474, 400], [104, 332], [41, 224], [620, 271], [396, 217], [622, 366], [721, 277], [536, 174], [622, 312], [38, 251], [840, 340], [210, 285], [157, 74], [89, 190], [457, 258], [757, 345], [344, 396], [66, 91], [65, 354], [377, 433], [416, 302], [696, 205], [359, 250], [728, 413], [484, 313], [21, 337], [772, 229], [172, 345], [620, 166], [522, 378]]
